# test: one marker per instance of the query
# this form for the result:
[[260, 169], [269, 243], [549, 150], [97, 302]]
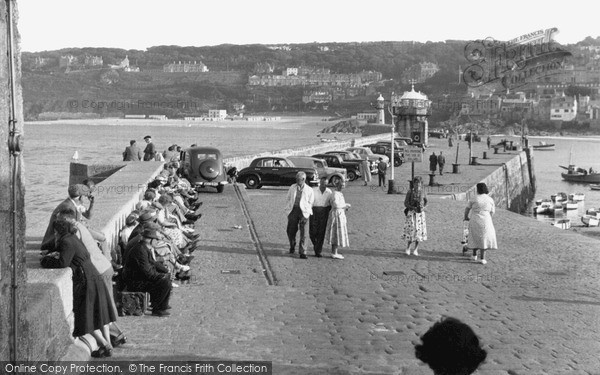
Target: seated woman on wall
[[149, 197], [102, 263], [180, 235], [91, 305]]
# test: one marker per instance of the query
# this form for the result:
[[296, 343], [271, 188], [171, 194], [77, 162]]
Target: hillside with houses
[[335, 79]]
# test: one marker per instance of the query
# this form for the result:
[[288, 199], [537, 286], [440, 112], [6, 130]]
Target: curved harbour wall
[[511, 186]]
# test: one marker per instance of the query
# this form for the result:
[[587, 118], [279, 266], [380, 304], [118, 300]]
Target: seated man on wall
[[143, 274]]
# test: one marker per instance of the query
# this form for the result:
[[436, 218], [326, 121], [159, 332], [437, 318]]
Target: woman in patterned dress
[[337, 231], [415, 226], [482, 234]]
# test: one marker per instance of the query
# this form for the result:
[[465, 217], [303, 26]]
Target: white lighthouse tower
[[380, 110]]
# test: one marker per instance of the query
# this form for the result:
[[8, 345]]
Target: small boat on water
[[570, 205], [544, 208], [543, 146], [576, 174], [559, 197], [562, 224], [577, 197], [595, 187], [590, 220], [592, 211]]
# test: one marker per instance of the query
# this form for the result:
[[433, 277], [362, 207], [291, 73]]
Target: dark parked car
[[203, 167], [336, 161], [436, 134], [385, 149], [274, 171]]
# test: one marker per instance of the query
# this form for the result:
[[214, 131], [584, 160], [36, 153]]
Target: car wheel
[[335, 180], [252, 182], [397, 162], [220, 188], [352, 176]]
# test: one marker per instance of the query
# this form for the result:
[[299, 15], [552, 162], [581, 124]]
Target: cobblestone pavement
[[536, 304]]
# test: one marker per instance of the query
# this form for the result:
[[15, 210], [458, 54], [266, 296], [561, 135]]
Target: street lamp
[[393, 128]]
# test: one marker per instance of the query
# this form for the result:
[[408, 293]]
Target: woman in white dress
[[337, 231], [482, 234], [415, 226]]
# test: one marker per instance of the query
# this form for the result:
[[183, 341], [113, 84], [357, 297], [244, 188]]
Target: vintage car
[[385, 149], [352, 167], [437, 134], [204, 167], [365, 152], [331, 173], [274, 171]]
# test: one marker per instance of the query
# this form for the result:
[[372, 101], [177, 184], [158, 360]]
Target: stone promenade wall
[[511, 186]]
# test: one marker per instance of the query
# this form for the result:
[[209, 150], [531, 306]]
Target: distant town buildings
[[185, 67], [70, 62], [563, 108], [280, 48], [305, 76], [217, 113], [65, 61], [420, 72], [317, 96]]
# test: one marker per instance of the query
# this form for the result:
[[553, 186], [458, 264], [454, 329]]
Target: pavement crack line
[[262, 256]]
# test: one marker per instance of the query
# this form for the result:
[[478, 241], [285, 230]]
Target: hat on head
[[146, 137], [131, 219], [147, 216], [151, 233]]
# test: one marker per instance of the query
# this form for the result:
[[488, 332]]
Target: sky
[[137, 24]]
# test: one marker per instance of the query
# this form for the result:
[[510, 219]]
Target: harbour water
[[49, 148], [585, 154]]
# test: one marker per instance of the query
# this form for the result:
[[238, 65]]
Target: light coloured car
[[366, 153], [332, 174]]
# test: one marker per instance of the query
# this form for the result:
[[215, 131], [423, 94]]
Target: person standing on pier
[[337, 230], [365, 170], [415, 226], [482, 234], [318, 220], [441, 159], [150, 150], [489, 142], [300, 198], [381, 171], [433, 160], [132, 152]]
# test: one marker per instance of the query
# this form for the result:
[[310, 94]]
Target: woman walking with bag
[[482, 234], [415, 227]]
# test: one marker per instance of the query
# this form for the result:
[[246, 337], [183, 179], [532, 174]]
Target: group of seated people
[[155, 249], [158, 239]]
